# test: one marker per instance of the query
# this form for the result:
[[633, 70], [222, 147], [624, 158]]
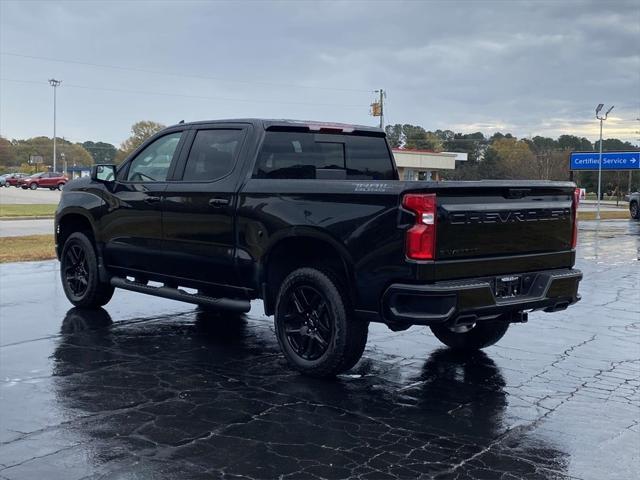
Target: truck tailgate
[[486, 220]]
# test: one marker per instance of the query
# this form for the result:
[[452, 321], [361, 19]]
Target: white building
[[424, 164]]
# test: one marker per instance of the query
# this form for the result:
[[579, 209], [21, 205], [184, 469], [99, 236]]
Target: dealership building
[[424, 164]]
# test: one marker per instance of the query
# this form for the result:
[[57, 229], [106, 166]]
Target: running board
[[231, 304]]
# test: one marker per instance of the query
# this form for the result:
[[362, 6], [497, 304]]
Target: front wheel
[[471, 337], [79, 273], [33, 186], [634, 210], [315, 330], [60, 186]]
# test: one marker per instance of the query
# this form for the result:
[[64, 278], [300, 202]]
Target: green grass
[[622, 215], [26, 210]]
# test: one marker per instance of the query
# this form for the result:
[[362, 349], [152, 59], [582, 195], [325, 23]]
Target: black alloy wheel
[[315, 325], [76, 270], [307, 322], [633, 210], [79, 273]]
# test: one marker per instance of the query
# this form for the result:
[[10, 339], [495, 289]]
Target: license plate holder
[[507, 286]]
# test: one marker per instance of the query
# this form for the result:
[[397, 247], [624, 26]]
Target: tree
[[473, 144], [573, 143], [7, 154], [394, 135], [508, 158], [101, 152], [413, 137], [140, 131], [550, 163], [613, 144], [73, 154]]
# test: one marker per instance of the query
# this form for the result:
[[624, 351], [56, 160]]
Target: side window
[[152, 164], [306, 155], [298, 155], [212, 154]]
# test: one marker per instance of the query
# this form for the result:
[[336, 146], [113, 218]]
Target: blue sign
[[610, 160]]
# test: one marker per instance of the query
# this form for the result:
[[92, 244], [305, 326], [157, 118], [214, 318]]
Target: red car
[[11, 179], [51, 180]]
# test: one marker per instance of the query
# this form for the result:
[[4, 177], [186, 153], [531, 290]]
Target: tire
[[79, 273], [634, 211], [314, 325], [483, 334], [60, 186], [33, 186]]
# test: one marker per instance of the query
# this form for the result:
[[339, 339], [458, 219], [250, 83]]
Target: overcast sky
[[530, 68]]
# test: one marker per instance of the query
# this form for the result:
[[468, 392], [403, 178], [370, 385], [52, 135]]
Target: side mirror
[[103, 173]]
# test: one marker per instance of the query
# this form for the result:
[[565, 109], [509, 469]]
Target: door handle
[[218, 202], [152, 200]]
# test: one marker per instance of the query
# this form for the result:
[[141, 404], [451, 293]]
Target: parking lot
[[150, 388], [14, 195]]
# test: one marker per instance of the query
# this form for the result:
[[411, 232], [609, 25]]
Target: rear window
[[308, 155]]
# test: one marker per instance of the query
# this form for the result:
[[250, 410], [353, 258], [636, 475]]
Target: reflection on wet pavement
[[150, 388]]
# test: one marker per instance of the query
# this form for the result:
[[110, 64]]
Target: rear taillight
[[421, 238], [574, 214]]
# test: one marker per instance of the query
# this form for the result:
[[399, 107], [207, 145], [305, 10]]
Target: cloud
[[534, 67]]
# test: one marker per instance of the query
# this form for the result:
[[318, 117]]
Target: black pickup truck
[[312, 219]]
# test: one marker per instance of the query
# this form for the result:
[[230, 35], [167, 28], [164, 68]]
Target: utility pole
[[377, 108], [54, 83], [631, 171], [602, 119], [382, 97]]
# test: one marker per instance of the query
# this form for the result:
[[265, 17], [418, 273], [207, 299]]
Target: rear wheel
[[79, 273], [471, 337], [314, 327], [634, 210]]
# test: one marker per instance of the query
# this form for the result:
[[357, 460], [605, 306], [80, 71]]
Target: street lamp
[[54, 83], [602, 119]]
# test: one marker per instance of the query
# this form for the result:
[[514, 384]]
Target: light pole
[[54, 83], [602, 119]]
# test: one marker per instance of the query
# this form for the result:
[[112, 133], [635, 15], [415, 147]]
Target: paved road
[[150, 388], [40, 196], [19, 228]]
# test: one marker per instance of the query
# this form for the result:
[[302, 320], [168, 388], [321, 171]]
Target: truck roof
[[284, 123]]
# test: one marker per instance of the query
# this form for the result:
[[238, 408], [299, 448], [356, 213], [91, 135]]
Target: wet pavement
[[151, 388]]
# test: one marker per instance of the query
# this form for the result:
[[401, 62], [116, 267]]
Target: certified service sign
[[610, 160]]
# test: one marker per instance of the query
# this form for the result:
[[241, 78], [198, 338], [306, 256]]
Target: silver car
[[634, 205]]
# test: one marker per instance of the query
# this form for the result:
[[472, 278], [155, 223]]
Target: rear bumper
[[474, 299]]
